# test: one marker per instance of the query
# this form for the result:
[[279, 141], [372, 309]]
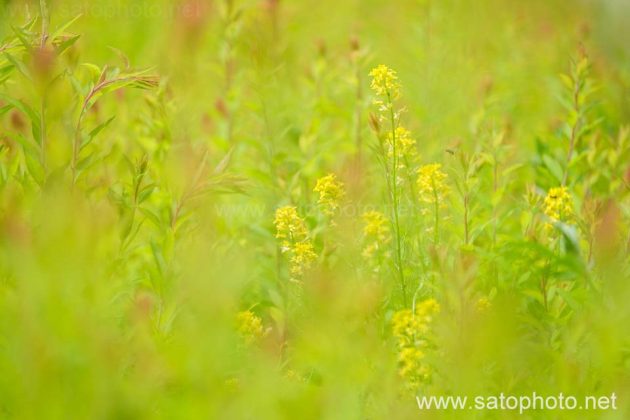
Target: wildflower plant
[[412, 331], [433, 190], [331, 192], [302, 257], [249, 327], [290, 227], [386, 87], [376, 238], [558, 206], [294, 239], [406, 150]]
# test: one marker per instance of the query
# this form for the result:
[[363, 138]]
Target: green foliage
[[240, 209]]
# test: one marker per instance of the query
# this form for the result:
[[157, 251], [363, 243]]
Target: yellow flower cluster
[[432, 185], [558, 206], [405, 144], [249, 326], [483, 304], [290, 227], [412, 332], [293, 234], [376, 233], [302, 258], [330, 193], [293, 376], [385, 82]]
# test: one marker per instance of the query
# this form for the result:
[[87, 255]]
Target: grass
[[312, 209]]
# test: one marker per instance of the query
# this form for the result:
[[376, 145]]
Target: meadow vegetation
[[312, 209]]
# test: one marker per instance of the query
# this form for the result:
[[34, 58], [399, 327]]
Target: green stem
[[437, 214], [574, 128], [42, 142], [399, 263], [43, 10], [466, 234]]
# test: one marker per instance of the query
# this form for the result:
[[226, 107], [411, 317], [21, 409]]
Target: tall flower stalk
[[387, 89], [294, 239], [432, 189], [578, 89]]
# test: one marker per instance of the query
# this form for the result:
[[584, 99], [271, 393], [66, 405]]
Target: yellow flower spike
[[401, 322], [411, 367], [330, 193], [376, 225], [293, 376], [385, 82], [483, 304], [293, 234], [432, 185], [290, 227], [411, 331], [427, 307], [376, 233], [405, 144], [558, 205], [249, 326], [303, 257], [410, 358]]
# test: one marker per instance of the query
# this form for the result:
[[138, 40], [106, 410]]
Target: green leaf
[[28, 111], [146, 193], [95, 71], [86, 162], [149, 214], [567, 81], [5, 72], [18, 65], [67, 43], [92, 134], [571, 238], [5, 109], [29, 146], [34, 168], [554, 167], [62, 29], [23, 37], [573, 304]]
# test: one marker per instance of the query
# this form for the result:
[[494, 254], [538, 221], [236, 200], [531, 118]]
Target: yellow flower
[[385, 82], [291, 230], [330, 193], [410, 360], [292, 375], [405, 144], [290, 227], [412, 331], [249, 326], [558, 206], [483, 304], [376, 225], [427, 308], [303, 256], [405, 327], [376, 233], [432, 185]]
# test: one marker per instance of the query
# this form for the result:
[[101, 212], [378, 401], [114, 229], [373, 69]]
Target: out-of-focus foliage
[[312, 209]]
